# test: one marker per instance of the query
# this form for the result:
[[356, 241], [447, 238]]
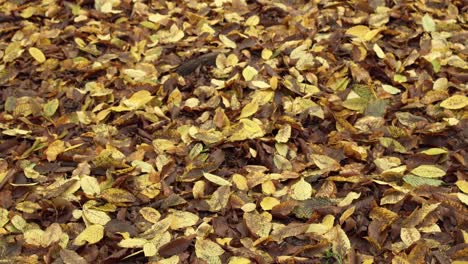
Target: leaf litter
[[233, 132]]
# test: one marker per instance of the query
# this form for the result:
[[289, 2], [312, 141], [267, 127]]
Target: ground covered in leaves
[[233, 131]]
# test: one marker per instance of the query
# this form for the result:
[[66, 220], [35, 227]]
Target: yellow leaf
[[249, 73], [54, 149], [455, 102], [261, 84], [181, 219], [252, 21], [249, 110], [428, 171], [96, 216], [359, 31], [390, 89], [392, 198], [266, 54], [349, 199], [378, 51], [150, 249], [248, 207], [135, 73], [26, 206], [462, 185], [301, 190], [216, 179], [428, 23], [138, 99], [37, 54], [207, 248], [92, 234], [399, 78], [325, 163], [247, 129], [340, 241], [132, 243], [115, 195], [258, 224], [434, 151], [283, 134], [227, 42], [463, 198], [409, 235], [268, 203], [239, 260], [240, 181], [150, 214], [346, 214], [33, 237], [90, 185], [50, 107]]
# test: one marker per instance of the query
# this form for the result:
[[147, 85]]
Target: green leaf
[[428, 23], [416, 181], [50, 107]]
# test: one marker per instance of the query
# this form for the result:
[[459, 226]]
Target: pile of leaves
[[233, 131]]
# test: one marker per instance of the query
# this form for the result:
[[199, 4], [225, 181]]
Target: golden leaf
[[92, 234], [463, 198], [428, 23], [462, 185], [50, 107], [301, 190], [258, 224], [216, 179], [349, 199], [150, 214], [96, 217], [268, 203], [249, 73], [249, 110], [115, 195], [409, 235], [359, 31], [239, 260], [428, 171], [340, 241], [54, 149], [227, 42], [90, 185], [325, 163], [205, 248], [138, 99], [283, 134], [455, 102], [37, 54], [434, 151], [181, 219], [132, 243]]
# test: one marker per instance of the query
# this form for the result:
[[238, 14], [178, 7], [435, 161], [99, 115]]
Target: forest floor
[[233, 131]]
